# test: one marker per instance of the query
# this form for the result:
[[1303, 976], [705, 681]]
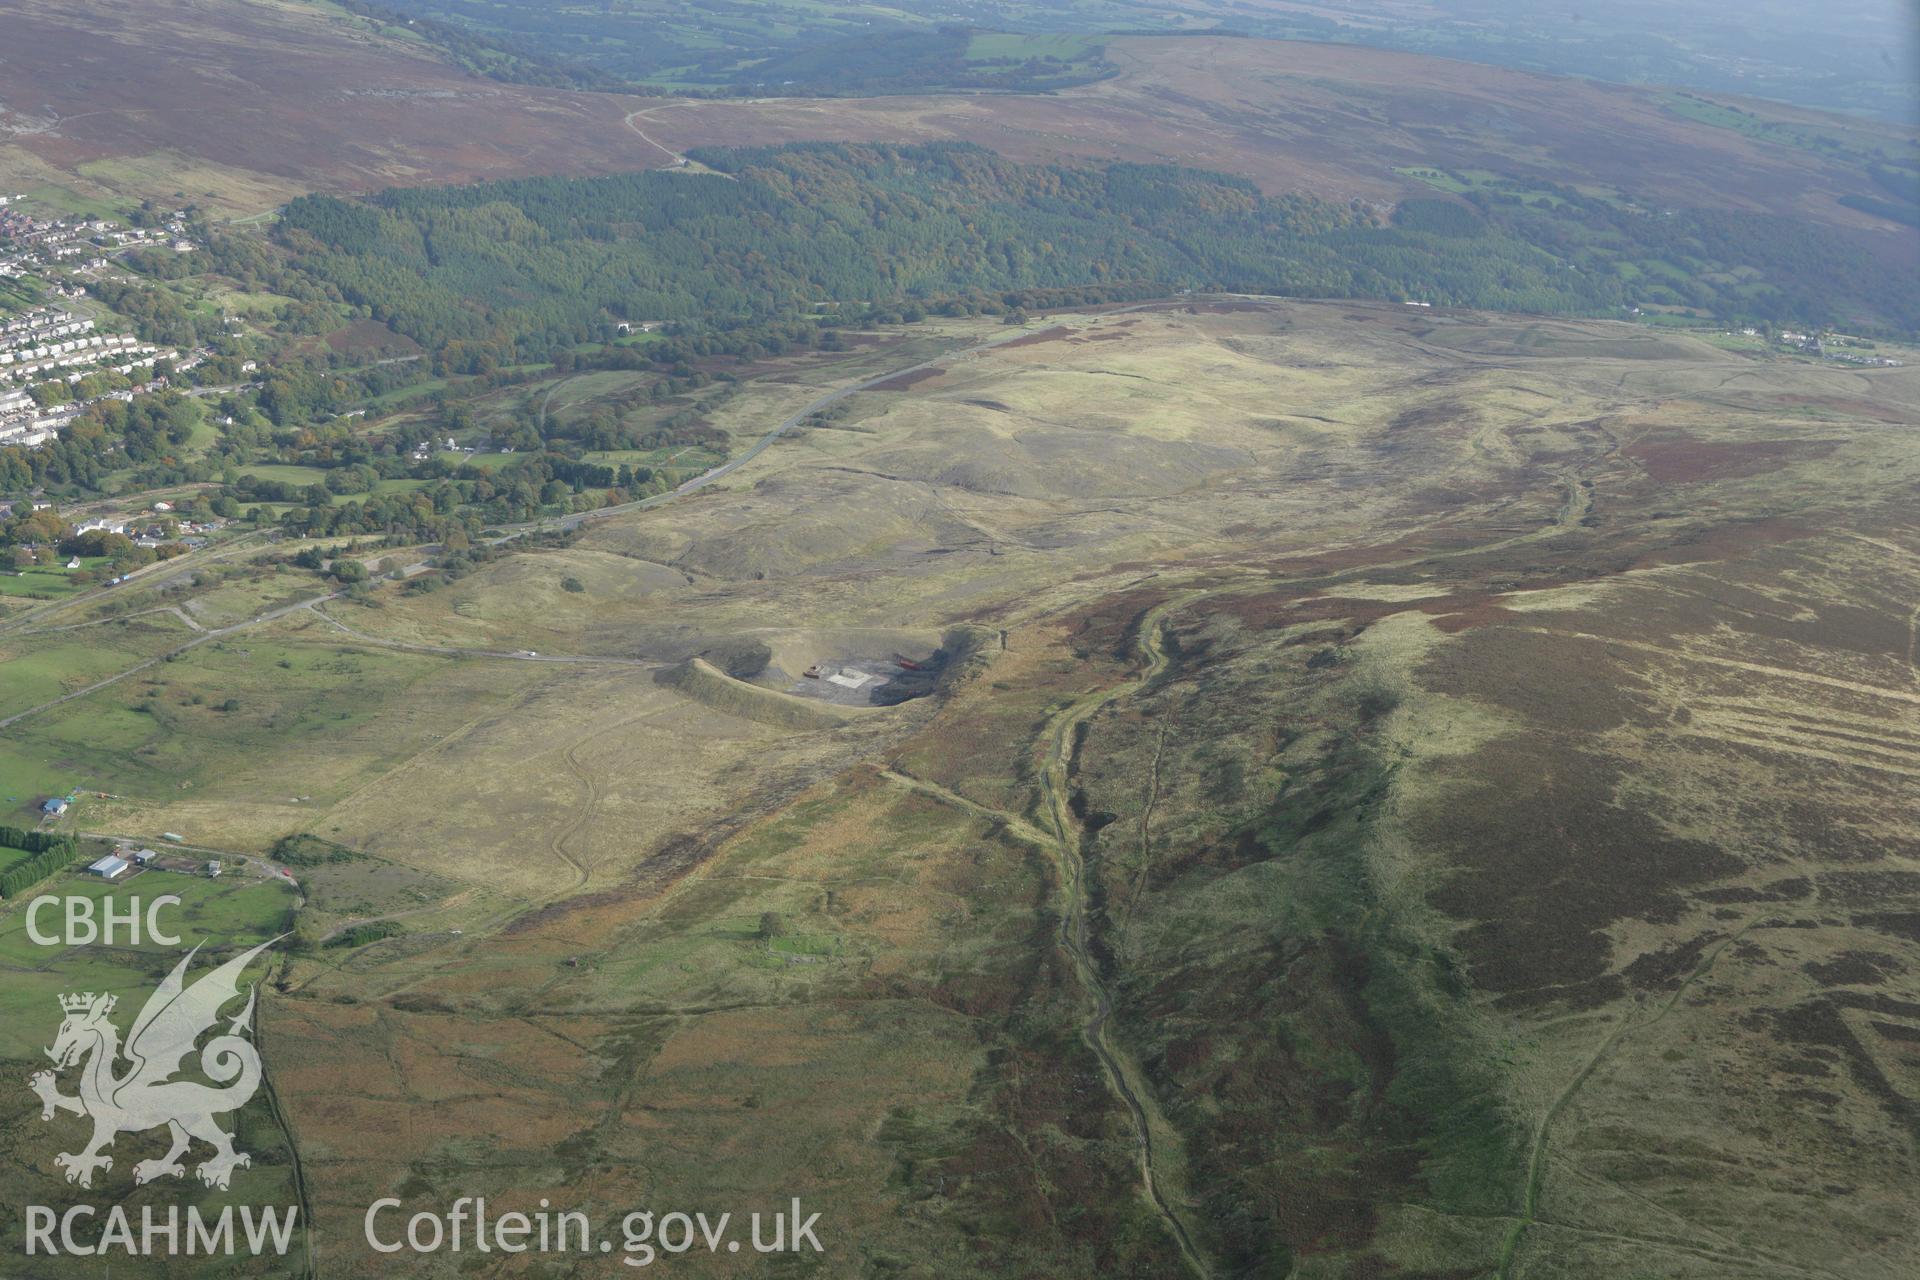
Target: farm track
[[192, 623], [766, 441], [153, 575], [1056, 787], [662, 147], [457, 900], [186, 566], [509, 655], [1153, 1132], [439, 745], [677, 161], [255, 864], [1016, 826], [1565, 1112], [269, 616], [546, 401], [557, 843], [1735, 664], [1063, 841]]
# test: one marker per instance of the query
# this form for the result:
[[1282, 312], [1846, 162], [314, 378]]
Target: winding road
[[678, 161]]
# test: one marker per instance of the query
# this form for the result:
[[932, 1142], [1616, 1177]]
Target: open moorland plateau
[[241, 103], [1338, 121], [1406, 793]]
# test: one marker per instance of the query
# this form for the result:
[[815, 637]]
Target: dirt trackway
[[186, 565], [170, 654], [453, 651], [765, 442], [1062, 843], [159, 574], [558, 522], [1055, 786]]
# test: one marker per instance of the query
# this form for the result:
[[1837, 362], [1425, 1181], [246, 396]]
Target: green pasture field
[[411, 391], [595, 348], [169, 729], [1461, 181], [66, 200], [235, 910], [27, 777], [679, 457], [579, 388], [1834, 142], [245, 739], [241, 302], [485, 461], [1003, 44], [38, 669], [48, 580], [291, 473]]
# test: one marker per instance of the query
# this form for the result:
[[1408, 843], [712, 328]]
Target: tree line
[[517, 268], [51, 853], [812, 224]]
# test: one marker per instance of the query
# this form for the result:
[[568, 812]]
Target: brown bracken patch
[[1685, 460], [1725, 542], [366, 337], [909, 379], [1545, 861], [1054, 334]]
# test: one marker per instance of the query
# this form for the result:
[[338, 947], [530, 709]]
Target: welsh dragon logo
[[149, 1092]]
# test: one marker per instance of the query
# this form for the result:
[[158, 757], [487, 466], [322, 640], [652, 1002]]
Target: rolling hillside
[[240, 105]]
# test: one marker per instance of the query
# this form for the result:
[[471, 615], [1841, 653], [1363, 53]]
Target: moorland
[[319, 99], [1411, 789], [1849, 60], [1282, 659]]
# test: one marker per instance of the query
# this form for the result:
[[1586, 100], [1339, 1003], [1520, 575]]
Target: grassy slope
[[234, 911]]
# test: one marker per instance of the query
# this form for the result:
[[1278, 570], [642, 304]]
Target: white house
[[110, 868]]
